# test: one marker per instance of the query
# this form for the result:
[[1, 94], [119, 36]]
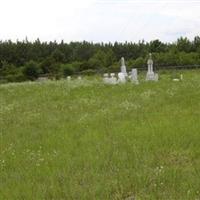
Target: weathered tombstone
[[42, 79], [134, 76], [68, 78], [121, 78], [178, 79], [105, 78], [123, 67], [151, 76], [79, 78], [156, 77], [113, 79], [181, 77]]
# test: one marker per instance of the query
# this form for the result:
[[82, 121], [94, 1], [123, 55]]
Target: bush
[[76, 66], [47, 65], [89, 72], [31, 70], [139, 63], [15, 77], [115, 67], [67, 70], [10, 73]]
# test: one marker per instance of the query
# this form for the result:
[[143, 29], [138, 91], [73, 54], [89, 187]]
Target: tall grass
[[86, 140]]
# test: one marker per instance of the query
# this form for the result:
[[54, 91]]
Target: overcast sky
[[99, 20]]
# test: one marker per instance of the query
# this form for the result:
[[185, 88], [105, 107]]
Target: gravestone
[[178, 79], [181, 77], [42, 79], [151, 76], [156, 77], [134, 76], [121, 78], [112, 79], [123, 67], [106, 78], [68, 78]]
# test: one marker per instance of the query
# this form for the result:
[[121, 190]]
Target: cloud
[[99, 20]]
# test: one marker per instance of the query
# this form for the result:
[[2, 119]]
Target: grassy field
[[86, 140]]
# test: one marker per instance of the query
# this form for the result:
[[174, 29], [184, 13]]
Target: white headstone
[[151, 76], [113, 79], [176, 79], [123, 66], [42, 79], [69, 78], [134, 76], [105, 78], [155, 77], [181, 77], [121, 78], [112, 74], [110, 80]]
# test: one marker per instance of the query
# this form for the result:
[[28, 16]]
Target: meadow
[[86, 140]]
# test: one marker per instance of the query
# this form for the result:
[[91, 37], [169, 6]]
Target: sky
[[99, 20]]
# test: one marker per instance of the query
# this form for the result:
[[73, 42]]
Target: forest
[[25, 60]]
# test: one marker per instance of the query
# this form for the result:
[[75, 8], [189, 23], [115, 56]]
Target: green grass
[[86, 140]]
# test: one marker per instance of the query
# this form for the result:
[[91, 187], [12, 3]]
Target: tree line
[[25, 60]]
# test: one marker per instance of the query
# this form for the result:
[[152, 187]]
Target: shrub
[[15, 77], [67, 69], [31, 70], [89, 72]]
